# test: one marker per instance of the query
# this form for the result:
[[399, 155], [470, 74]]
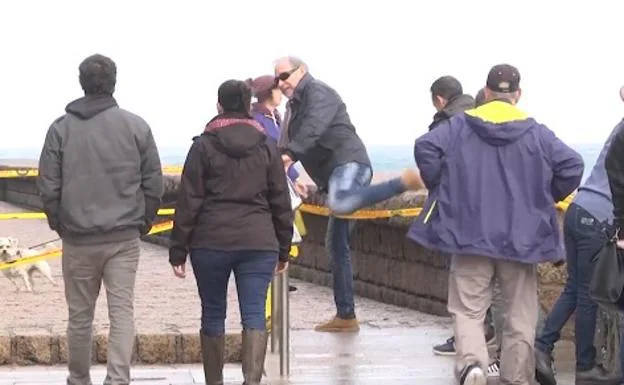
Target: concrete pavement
[[397, 356]]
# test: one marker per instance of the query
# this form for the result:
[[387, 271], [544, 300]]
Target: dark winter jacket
[[614, 164], [233, 192], [453, 107], [320, 133]]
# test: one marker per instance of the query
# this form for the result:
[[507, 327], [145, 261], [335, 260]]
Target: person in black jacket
[[318, 132], [614, 163], [233, 214], [448, 98]]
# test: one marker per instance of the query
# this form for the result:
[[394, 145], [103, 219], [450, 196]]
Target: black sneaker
[[472, 375], [445, 349], [448, 348], [493, 369], [544, 368]]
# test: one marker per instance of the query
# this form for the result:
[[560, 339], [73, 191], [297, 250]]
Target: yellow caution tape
[[57, 252], [22, 216], [32, 172], [172, 170], [564, 204], [306, 208], [161, 227], [48, 254], [362, 214], [19, 173], [408, 212], [30, 215]]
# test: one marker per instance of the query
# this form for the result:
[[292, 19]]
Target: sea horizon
[[384, 158]]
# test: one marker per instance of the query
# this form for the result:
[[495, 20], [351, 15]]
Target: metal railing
[[280, 320]]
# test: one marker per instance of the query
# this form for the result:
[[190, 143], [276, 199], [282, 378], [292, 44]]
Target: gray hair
[[294, 61], [509, 96]]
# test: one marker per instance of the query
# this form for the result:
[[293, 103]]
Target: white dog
[[10, 252]]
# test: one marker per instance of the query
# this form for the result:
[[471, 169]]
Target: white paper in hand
[[295, 199]]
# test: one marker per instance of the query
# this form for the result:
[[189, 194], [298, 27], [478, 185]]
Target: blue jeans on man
[[349, 189]]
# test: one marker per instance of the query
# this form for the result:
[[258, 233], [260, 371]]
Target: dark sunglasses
[[285, 75]]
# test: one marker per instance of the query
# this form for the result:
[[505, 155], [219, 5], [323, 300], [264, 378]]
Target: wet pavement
[[398, 356]]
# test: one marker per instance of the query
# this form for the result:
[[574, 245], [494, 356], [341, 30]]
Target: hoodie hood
[[456, 105], [90, 105], [499, 123], [236, 136]]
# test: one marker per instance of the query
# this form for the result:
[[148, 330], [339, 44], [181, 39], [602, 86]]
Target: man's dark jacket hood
[[90, 105], [454, 106]]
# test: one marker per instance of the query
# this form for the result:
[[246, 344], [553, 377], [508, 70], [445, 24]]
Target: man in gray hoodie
[[100, 181]]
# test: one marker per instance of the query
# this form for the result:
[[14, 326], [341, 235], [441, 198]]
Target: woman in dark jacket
[[233, 214]]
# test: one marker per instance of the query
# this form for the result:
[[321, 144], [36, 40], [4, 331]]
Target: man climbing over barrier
[[494, 175], [318, 133]]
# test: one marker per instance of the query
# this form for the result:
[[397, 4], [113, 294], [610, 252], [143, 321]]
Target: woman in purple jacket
[[265, 112]]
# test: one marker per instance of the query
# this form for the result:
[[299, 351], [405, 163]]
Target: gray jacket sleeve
[[320, 110], [151, 178], [50, 179]]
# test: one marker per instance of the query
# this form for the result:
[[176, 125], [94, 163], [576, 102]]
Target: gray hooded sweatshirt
[[100, 176]]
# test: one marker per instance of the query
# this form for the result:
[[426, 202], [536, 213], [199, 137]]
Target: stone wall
[[387, 266]]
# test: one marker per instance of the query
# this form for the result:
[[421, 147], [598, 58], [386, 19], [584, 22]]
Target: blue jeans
[[583, 236], [350, 190], [253, 271]]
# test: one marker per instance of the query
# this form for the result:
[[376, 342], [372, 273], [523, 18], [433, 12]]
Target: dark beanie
[[262, 87]]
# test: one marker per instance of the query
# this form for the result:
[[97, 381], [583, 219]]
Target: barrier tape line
[[362, 214], [35, 215], [33, 172], [306, 208], [48, 254], [57, 252]]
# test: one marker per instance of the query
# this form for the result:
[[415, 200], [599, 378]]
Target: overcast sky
[[381, 58]]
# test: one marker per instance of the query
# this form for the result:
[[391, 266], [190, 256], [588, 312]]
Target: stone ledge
[[41, 347]]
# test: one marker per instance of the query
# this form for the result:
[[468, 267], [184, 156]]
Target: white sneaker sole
[[475, 377]]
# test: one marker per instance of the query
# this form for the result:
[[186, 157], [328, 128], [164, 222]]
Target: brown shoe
[[339, 325], [411, 180]]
